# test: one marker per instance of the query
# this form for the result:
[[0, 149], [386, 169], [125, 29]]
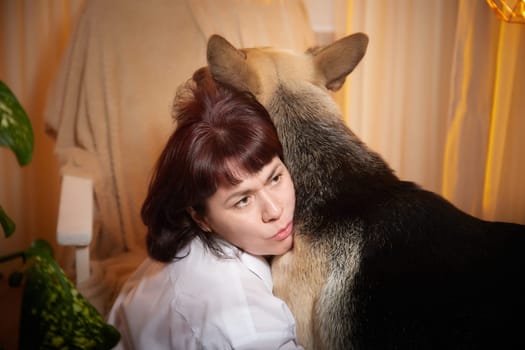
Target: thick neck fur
[[323, 154]]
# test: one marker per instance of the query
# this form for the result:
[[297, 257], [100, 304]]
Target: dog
[[377, 262]]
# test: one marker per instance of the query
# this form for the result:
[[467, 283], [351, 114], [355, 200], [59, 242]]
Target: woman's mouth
[[284, 232]]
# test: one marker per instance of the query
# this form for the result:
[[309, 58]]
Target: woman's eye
[[276, 179], [242, 202]]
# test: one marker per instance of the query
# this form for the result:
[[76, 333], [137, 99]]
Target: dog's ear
[[339, 59], [228, 64]]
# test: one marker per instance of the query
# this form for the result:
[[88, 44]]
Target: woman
[[220, 203]]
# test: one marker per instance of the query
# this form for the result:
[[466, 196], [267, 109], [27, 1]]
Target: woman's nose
[[271, 209]]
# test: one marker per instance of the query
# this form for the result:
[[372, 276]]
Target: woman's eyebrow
[[245, 192], [240, 193]]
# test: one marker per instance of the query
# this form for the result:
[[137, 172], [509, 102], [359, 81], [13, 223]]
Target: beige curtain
[[441, 95], [33, 35], [484, 155]]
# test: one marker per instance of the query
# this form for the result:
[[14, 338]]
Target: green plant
[[54, 315], [16, 133]]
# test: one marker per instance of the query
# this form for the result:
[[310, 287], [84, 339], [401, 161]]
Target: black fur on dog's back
[[432, 276], [383, 263]]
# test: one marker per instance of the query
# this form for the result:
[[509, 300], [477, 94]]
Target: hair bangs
[[245, 153], [231, 154]]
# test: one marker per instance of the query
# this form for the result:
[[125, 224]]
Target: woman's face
[[255, 215]]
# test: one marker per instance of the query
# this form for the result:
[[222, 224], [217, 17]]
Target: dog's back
[[377, 262]]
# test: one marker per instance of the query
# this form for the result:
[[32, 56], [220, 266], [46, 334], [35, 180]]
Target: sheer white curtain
[[484, 163], [441, 95]]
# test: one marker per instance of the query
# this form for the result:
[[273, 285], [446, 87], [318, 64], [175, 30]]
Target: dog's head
[[263, 70]]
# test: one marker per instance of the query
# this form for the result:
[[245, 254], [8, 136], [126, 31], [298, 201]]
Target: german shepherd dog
[[377, 263]]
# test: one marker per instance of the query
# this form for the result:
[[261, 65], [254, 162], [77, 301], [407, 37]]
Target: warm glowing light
[[512, 11]]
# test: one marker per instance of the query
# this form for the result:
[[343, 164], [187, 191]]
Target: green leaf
[[16, 132], [55, 315], [40, 247], [7, 224]]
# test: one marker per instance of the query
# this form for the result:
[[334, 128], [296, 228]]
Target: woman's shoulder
[[196, 265], [221, 283], [226, 297]]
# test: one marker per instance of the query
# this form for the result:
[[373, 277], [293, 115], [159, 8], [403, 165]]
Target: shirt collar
[[260, 267], [255, 263]]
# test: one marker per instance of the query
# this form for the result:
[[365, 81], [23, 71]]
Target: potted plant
[[53, 313]]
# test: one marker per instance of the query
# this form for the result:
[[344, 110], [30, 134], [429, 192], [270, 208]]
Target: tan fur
[[298, 278], [261, 70]]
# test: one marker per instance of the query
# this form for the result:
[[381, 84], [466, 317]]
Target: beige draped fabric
[[110, 107], [440, 94]]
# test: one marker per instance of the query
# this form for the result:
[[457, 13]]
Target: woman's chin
[[284, 246]]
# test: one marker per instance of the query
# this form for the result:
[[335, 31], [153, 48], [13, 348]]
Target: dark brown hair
[[216, 126]]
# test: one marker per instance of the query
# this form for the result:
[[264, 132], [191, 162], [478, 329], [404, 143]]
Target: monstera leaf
[[15, 133]]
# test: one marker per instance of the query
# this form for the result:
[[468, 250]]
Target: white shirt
[[203, 302]]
